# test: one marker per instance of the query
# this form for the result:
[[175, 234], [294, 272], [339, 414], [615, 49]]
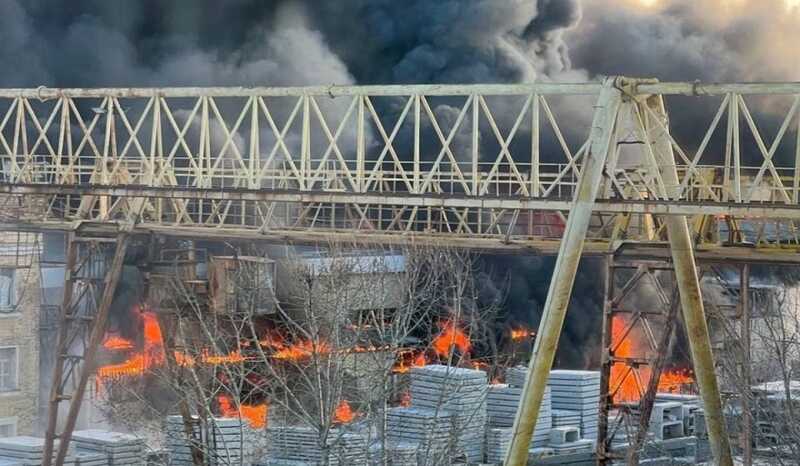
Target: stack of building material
[[29, 451], [566, 418], [502, 402], [402, 453], [90, 458], [119, 448], [577, 391], [225, 441], [498, 439], [427, 429], [666, 420], [178, 445], [567, 440], [293, 444], [515, 376], [460, 392]]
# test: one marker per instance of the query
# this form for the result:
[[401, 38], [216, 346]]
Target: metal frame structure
[[468, 165]]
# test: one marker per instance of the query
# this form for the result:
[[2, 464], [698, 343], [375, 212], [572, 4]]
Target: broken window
[[7, 292], [8, 369]]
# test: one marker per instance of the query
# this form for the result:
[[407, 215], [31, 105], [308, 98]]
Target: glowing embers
[[627, 383], [254, 414], [451, 337], [519, 334]]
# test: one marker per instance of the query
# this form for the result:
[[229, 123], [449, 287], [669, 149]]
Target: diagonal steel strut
[[569, 255]]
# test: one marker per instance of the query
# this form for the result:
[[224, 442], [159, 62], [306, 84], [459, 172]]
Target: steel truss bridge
[[555, 168]]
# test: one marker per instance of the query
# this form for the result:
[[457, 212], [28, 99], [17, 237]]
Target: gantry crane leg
[[82, 324]]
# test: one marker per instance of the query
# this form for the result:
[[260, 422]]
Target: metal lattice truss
[[459, 162]]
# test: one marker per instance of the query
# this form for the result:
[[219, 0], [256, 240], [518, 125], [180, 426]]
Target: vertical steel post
[[555, 309], [682, 250], [747, 416], [606, 362]]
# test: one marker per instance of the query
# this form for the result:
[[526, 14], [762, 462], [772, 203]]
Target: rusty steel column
[[569, 255], [655, 124]]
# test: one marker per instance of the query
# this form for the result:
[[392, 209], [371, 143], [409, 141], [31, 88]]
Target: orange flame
[[255, 415], [521, 334], [451, 337], [117, 343], [630, 389], [344, 414], [406, 362], [301, 350]]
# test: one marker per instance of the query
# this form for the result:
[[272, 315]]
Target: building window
[[8, 299], [8, 427], [8, 369]]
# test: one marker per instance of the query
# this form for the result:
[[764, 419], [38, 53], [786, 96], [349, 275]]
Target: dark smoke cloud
[[279, 42]]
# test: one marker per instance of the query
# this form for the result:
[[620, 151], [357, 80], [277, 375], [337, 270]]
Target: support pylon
[[555, 309]]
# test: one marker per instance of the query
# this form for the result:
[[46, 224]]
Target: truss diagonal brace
[[569, 255]]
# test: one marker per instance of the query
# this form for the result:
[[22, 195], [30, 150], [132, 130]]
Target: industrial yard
[[380, 233]]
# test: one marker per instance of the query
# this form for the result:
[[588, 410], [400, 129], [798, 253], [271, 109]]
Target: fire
[[521, 334], [675, 380], [301, 350], [117, 343], [153, 354], [451, 336], [344, 414], [255, 415], [630, 386], [230, 358], [407, 360]]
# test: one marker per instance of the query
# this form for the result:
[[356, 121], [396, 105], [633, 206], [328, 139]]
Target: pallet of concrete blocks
[[515, 376], [462, 393], [566, 418], [302, 444], [90, 458], [401, 454], [29, 451], [120, 449], [577, 391], [567, 440], [666, 420], [179, 445], [502, 402], [225, 438], [498, 440], [428, 429]]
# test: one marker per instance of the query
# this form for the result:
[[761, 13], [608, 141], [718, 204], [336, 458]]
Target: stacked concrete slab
[[290, 445], [566, 418], [515, 376], [225, 441], [119, 448], [428, 430], [90, 458], [502, 402], [460, 392], [179, 445], [577, 391], [28, 451], [666, 420]]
